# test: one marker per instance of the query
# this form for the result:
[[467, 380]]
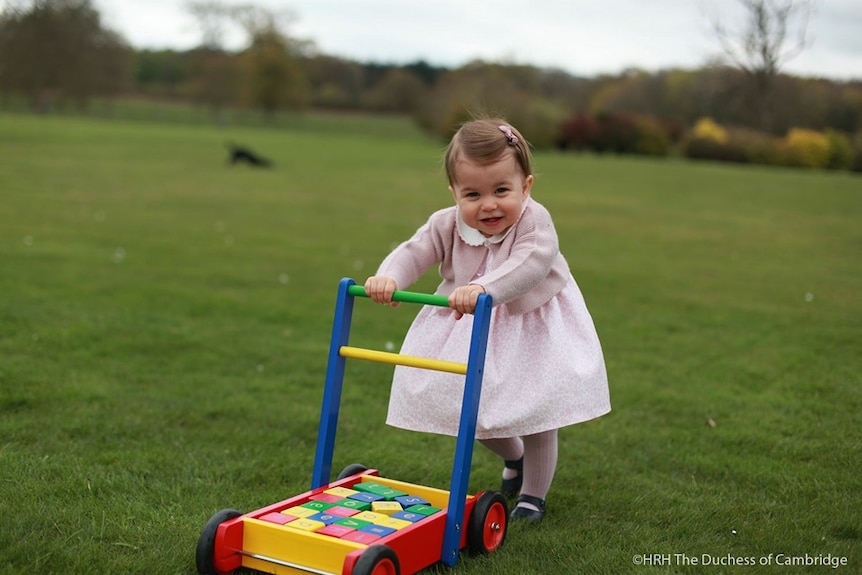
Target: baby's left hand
[[463, 299]]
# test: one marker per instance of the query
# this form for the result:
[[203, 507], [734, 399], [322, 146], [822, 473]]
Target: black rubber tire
[[205, 552], [377, 560], [351, 469], [489, 521]]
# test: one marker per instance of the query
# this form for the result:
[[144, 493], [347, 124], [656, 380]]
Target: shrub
[[807, 148], [577, 133], [857, 152], [841, 154], [653, 138], [539, 119], [760, 148], [617, 133], [800, 148], [710, 149], [707, 129], [675, 130]]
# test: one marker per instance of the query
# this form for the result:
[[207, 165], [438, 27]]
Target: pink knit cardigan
[[523, 271]]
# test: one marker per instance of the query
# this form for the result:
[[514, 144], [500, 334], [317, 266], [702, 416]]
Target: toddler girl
[[544, 367]]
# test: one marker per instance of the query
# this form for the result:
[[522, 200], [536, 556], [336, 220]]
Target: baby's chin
[[492, 227]]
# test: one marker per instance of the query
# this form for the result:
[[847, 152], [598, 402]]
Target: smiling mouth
[[491, 221]]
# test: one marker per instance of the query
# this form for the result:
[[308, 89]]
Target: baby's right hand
[[380, 290]]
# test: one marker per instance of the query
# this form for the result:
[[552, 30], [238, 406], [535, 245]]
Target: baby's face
[[490, 197]]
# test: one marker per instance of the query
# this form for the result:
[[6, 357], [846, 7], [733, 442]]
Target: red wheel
[[486, 530], [377, 560]]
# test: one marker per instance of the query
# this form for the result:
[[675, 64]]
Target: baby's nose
[[489, 205]]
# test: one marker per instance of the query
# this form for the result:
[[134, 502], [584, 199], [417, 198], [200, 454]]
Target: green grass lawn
[[164, 325]]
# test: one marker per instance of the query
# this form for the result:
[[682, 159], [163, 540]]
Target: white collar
[[474, 237]]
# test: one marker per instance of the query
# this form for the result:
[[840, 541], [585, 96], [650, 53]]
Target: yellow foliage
[[810, 149], [707, 129]]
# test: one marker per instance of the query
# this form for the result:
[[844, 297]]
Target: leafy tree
[[266, 73], [493, 89], [425, 71], [56, 51], [335, 82], [161, 72], [400, 91], [275, 79], [215, 81]]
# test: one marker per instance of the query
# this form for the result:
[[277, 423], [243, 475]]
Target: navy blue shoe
[[511, 487], [527, 514]]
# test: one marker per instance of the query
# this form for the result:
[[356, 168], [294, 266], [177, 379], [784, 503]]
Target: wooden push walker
[[364, 524]]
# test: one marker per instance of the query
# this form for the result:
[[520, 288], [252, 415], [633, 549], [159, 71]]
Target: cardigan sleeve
[[407, 262], [534, 251]]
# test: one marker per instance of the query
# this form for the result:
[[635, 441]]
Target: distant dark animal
[[243, 155]]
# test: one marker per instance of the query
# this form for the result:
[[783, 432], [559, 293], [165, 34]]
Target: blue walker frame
[[347, 291]]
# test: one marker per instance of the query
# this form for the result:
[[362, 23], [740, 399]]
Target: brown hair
[[485, 141]]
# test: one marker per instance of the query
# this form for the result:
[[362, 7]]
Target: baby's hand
[[380, 289], [463, 299]]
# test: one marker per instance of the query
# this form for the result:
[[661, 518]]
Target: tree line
[[57, 53]]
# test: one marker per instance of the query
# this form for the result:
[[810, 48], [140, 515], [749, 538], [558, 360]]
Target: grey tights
[[540, 459]]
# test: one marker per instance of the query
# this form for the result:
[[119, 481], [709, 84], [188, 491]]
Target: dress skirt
[[544, 370]]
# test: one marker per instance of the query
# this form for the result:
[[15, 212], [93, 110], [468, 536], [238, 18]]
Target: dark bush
[[856, 166], [653, 138], [841, 153], [577, 133], [674, 129], [709, 149], [760, 148], [616, 133]]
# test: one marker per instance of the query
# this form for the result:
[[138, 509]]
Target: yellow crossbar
[[398, 359]]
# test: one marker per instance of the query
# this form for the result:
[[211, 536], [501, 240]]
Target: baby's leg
[[510, 450], [540, 463]]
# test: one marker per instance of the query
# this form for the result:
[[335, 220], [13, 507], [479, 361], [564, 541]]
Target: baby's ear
[[528, 185]]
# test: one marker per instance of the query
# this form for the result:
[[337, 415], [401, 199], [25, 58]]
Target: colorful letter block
[[423, 509], [325, 518], [361, 537], [394, 523], [341, 492], [278, 518], [366, 497], [305, 524], [363, 514], [334, 530], [300, 511], [410, 500], [352, 523], [356, 504], [386, 507], [408, 516], [342, 511]]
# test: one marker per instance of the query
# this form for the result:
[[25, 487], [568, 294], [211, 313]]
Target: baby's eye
[[471, 194], [502, 190]]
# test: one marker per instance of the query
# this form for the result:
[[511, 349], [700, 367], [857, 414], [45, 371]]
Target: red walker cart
[[364, 524]]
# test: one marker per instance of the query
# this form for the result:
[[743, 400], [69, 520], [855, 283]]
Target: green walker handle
[[405, 296]]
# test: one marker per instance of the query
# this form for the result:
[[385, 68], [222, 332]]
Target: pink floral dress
[[544, 368]]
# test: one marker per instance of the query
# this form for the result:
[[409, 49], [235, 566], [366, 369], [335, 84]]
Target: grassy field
[[164, 324]]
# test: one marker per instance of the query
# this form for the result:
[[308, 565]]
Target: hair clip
[[510, 137]]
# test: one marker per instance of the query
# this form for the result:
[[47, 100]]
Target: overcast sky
[[584, 37]]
